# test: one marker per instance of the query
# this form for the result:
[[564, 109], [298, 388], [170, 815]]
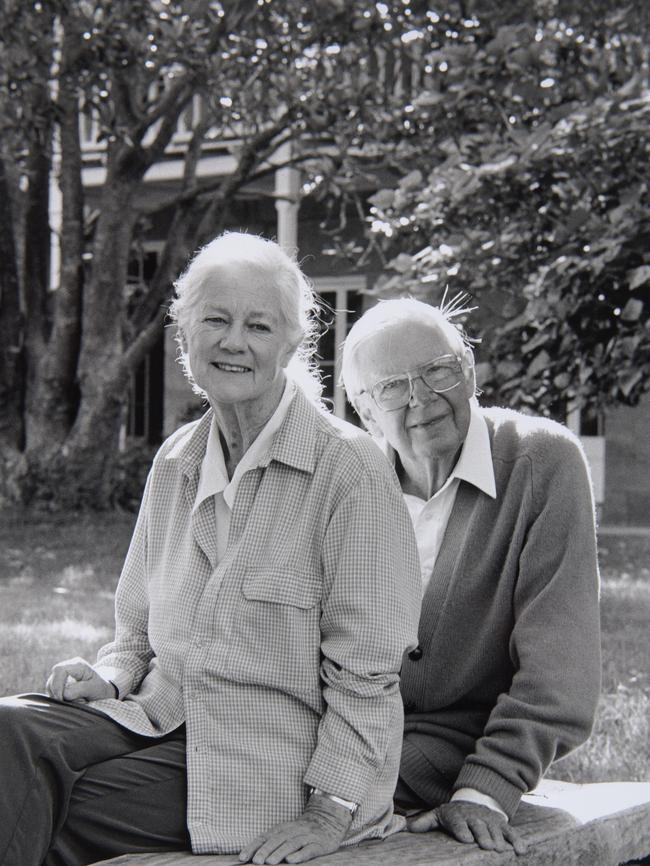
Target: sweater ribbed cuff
[[489, 782], [421, 777]]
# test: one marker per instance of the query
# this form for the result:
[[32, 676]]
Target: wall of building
[[627, 465]]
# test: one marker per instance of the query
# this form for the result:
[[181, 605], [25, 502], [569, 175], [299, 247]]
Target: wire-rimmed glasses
[[439, 375]]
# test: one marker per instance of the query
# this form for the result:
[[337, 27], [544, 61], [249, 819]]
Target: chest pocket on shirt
[[277, 630], [282, 586]]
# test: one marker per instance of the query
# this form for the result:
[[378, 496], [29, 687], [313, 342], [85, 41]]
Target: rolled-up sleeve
[[369, 619]]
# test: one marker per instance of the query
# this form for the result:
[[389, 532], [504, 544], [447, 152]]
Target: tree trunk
[[11, 350], [12, 369], [80, 473], [36, 277], [54, 397]]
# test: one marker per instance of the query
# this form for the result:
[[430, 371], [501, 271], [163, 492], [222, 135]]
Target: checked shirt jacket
[[283, 658]]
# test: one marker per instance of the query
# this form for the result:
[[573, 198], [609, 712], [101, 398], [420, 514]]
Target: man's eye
[[394, 385], [441, 371]]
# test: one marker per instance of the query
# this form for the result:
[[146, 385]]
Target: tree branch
[[140, 346]]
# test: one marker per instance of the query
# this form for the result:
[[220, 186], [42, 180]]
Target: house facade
[[617, 447]]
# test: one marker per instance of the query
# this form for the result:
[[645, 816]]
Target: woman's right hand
[[77, 680]]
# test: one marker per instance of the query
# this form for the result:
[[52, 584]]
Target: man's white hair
[[384, 316]]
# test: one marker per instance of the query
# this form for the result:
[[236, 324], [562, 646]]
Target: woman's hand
[[76, 680], [319, 830], [470, 822]]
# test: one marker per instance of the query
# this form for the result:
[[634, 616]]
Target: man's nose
[[233, 338], [420, 394]]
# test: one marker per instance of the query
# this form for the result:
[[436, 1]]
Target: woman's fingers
[[76, 679], [59, 674]]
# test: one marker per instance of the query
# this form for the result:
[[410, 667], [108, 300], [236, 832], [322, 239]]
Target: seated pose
[[249, 702], [506, 676]]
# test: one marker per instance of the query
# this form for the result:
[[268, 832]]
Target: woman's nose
[[233, 339]]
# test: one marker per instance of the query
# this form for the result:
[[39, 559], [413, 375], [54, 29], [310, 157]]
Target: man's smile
[[426, 422]]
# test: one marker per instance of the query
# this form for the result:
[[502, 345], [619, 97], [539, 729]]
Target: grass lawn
[[57, 579], [619, 747], [58, 574]]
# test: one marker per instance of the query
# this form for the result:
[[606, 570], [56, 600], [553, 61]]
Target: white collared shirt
[[430, 517], [214, 479]]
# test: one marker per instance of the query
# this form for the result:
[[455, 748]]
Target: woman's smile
[[231, 368]]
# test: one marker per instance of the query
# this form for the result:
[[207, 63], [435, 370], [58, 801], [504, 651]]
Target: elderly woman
[[249, 701], [506, 675]]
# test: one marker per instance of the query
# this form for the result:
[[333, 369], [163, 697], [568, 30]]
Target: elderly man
[[507, 673]]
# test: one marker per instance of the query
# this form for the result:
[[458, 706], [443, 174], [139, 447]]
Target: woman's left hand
[[77, 680], [319, 830]]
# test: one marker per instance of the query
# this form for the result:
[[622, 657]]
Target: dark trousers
[[75, 787]]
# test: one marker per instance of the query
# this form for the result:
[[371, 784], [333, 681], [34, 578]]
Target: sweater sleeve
[[550, 706], [369, 618]]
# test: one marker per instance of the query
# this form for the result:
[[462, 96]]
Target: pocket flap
[[282, 586]]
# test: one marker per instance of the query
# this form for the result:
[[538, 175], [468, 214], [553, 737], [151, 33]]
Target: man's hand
[[76, 680], [319, 830], [470, 822]]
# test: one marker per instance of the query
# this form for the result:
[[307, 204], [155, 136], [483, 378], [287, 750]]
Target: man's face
[[431, 427]]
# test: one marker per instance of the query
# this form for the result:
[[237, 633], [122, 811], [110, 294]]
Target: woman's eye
[[260, 326], [215, 320]]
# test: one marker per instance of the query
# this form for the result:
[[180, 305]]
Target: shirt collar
[[294, 443], [214, 476], [474, 464]]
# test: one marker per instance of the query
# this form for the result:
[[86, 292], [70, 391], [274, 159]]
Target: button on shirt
[[430, 518]]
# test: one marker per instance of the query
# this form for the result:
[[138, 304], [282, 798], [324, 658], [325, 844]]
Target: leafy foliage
[[252, 85], [527, 188]]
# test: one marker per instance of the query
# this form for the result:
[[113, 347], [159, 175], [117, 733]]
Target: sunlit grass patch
[[65, 629], [57, 579], [618, 747], [57, 583], [29, 649]]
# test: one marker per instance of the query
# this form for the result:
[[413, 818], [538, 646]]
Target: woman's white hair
[[296, 298], [388, 314]]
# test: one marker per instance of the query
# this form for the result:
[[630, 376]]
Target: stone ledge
[[605, 824]]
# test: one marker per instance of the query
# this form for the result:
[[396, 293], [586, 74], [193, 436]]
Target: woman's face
[[236, 338]]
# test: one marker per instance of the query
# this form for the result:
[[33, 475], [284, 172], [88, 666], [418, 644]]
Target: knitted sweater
[[509, 676]]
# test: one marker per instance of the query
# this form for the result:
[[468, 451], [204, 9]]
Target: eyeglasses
[[440, 375]]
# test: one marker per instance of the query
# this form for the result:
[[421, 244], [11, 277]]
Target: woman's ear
[[290, 352]]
